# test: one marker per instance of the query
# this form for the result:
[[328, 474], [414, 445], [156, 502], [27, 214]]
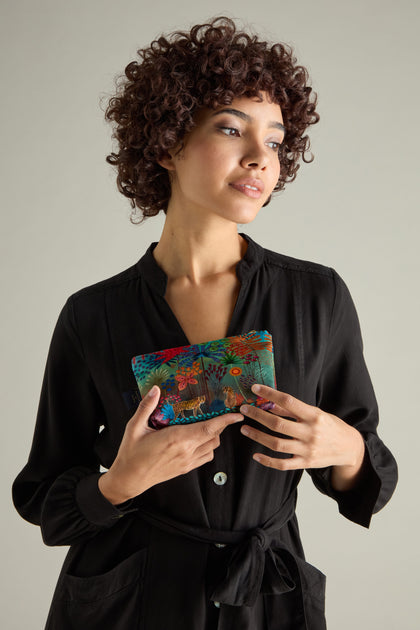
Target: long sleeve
[[345, 389], [58, 487], [122, 559]]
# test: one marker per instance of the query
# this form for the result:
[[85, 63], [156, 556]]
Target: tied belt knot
[[257, 564], [261, 537], [254, 568]]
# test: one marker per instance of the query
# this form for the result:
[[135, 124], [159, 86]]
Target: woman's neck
[[195, 255]]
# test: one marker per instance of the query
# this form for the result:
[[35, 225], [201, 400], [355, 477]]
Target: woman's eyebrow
[[239, 114]]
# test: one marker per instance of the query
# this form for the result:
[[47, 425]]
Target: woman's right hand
[[148, 456]]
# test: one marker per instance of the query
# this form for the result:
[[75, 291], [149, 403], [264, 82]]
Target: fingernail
[[256, 388], [244, 408], [153, 391]]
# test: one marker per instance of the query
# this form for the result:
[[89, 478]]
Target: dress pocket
[[110, 600], [314, 599], [316, 583]]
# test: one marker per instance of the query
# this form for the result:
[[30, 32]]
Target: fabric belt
[[254, 566]]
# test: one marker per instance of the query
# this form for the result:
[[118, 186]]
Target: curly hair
[[156, 99]]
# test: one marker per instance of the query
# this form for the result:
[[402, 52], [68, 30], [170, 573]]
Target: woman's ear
[[167, 161]]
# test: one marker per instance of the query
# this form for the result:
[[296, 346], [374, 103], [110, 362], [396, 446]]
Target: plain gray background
[[355, 208]]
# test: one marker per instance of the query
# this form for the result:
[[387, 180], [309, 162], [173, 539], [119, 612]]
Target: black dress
[[203, 550]]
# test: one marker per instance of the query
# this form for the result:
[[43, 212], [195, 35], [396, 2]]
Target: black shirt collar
[[157, 279]]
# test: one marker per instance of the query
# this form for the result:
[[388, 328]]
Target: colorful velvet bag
[[204, 380]]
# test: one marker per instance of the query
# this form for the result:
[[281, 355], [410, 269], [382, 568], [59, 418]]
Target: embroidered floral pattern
[[200, 381], [185, 376]]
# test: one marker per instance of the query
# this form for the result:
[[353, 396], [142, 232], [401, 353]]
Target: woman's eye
[[233, 131], [227, 130]]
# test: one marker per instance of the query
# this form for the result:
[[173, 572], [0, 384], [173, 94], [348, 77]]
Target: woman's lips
[[249, 190]]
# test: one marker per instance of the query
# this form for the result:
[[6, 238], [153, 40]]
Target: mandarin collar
[[157, 279]]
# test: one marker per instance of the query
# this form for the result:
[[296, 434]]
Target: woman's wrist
[[112, 491], [346, 477], [117, 488]]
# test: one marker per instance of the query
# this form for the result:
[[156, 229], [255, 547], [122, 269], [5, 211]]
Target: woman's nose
[[255, 156]]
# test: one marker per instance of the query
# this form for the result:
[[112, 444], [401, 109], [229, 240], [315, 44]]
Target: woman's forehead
[[245, 108]]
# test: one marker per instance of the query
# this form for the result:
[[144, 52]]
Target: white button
[[217, 604], [220, 545], [220, 478]]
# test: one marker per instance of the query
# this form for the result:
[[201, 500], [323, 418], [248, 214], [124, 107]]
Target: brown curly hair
[[211, 65]]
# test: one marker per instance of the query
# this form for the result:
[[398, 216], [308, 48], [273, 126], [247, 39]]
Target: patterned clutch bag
[[204, 380]]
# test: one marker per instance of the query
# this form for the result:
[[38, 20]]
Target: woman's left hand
[[318, 438]]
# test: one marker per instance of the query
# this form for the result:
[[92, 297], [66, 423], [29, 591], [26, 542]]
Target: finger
[[208, 457], [289, 463], [196, 462], [293, 406], [217, 424], [203, 449], [280, 445], [274, 409], [274, 422], [280, 411]]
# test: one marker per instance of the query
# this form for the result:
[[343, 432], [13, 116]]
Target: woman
[[193, 526]]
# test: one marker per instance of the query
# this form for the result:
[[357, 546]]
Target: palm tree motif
[[230, 358], [252, 344], [157, 377], [208, 353]]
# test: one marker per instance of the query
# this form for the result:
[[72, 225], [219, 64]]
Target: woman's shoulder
[[274, 261], [300, 265], [108, 284], [313, 280], [88, 302]]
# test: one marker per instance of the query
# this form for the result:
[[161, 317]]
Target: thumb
[[147, 405]]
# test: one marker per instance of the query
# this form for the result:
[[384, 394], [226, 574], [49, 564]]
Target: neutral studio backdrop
[[355, 208]]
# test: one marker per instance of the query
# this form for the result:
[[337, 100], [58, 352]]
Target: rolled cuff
[[359, 502], [95, 507]]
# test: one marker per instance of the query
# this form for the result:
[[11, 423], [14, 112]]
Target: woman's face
[[229, 164]]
